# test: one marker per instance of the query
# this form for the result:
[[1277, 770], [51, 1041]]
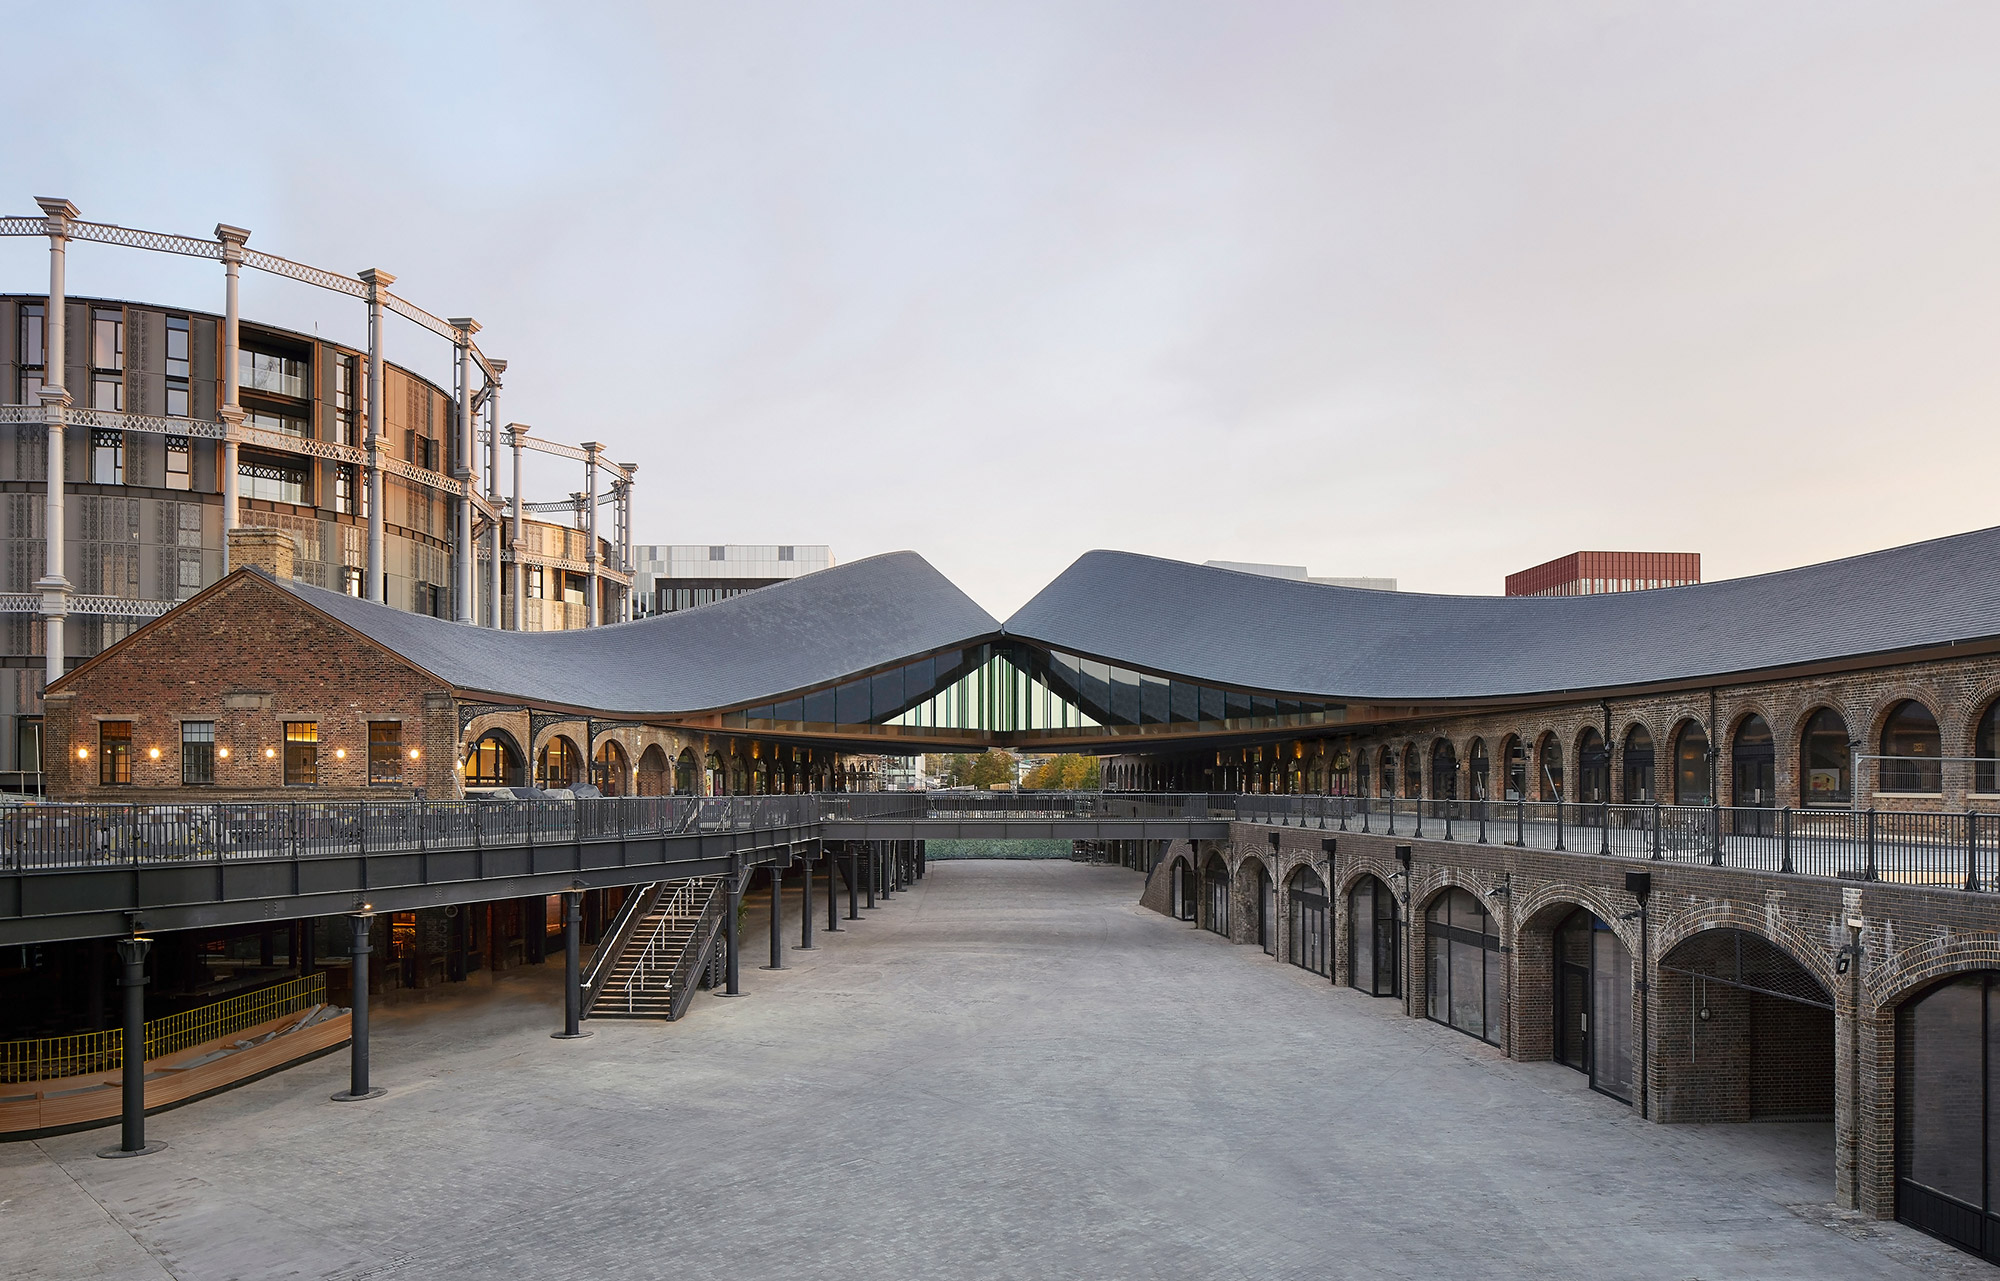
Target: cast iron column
[[461, 471], [777, 918], [132, 1138], [732, 985], [572, 978], [853, 884], [516, 433], [56, 401], [590, 558], [832, 895], [378, 283], [806, 910], [357, 1069]]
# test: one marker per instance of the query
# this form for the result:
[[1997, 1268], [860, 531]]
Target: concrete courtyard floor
[[1011, 1071]]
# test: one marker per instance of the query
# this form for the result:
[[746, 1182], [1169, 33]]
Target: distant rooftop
[[1297, 574]]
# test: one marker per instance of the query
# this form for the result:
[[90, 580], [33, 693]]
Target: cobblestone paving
[[1009, 1072]]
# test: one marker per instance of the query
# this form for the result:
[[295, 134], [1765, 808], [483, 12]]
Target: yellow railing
[[58, 1056]]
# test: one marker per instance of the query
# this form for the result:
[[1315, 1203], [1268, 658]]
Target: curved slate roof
[[1309, 639], [810, 630]]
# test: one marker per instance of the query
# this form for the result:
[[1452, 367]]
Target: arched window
[[1638, 766], [608, 769], [1215, 883], [1310, 940], [1361, 774], [1986, 746], [1372, 964], [1388, 787], [1948, 1112], [493, 762], [1593, 769], [1481, 770], [1444, 771], [1692, 775], [1413, 772], [1549, 770], [556, 768], [1753, 764], [1267, 911], [1466, 970], [1593, 1001], [1910, 750], [717, 776], [652, 780], [1826, 779], [684, 784], [1516, 757]]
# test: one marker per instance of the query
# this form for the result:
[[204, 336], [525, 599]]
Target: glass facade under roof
[[1008, 688]]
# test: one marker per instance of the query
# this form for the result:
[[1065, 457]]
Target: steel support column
[[493, 539], [516, 433], [869, 880], [461, 471], [55, 399], [832, 895], [853, 878], [132, 977], [590, 559], [572, 968], [806, 910], [732, 981], [231, 410], [357, 1059], [777, 918]]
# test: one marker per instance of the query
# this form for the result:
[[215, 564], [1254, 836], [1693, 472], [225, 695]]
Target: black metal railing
[[1960, 850]]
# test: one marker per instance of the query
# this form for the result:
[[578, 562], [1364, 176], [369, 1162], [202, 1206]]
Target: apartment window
[[107, 457], [177, 368], [180, 474], [385, 752], [274, 375], [275, 479], [33, 355], [534, 582], [107, 359], [197, 753], [785, 553], [344, 480], [718, 553], [114, 753], [301, 753], [343, 400], [350, 580]]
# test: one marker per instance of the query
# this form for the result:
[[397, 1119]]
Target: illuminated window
[[114, 753], [385, 752], [301, 753]]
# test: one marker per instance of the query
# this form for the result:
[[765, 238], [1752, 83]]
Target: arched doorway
[[1549, 772], [1910, 751], [652, 779], [1692, 775], [494, 761], [1373, 943], [1948, 1112], [718, 779], [1215, 891], [1593, 1003], [1413, 773], [684, 774], [608, 769], [1387, 786], [1183, 890], [557, 767], [1638, 766], [1267, 909], [1444, 771], [1744, 1032], [1466, 966], [1481, 770], [1515, 755], [1753, 768], [1593, 768], [1826, 778], [1310, 940]]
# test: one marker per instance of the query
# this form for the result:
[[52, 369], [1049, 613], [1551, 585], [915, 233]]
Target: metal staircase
[[653, 961]]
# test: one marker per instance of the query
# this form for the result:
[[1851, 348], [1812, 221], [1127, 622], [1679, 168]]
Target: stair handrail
[[678, 906], [632, 911], [681, 983]]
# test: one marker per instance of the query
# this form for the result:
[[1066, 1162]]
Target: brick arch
[[1439, 879], [1879, 709], [567, 730], [1810, 953], [1743, 711], [1544, 906], [1916, 969], [1981, 697], [1811, 707]]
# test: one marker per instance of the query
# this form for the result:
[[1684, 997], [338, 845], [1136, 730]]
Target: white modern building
[[667, 577], [1297, 573]]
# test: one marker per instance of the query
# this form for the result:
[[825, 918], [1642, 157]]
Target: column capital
[[132, 951], [466, 327], [231, 417], [498, 366], [58, 213], [591, 447], [375, 278], [517, 432], [55, 405], [55, 595], [630, 470], [232, 239]]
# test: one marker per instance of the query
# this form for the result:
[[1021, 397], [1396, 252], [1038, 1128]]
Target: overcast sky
[[1429, 291]]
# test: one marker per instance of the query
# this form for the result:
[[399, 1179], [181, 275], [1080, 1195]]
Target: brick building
[[1594, 573]]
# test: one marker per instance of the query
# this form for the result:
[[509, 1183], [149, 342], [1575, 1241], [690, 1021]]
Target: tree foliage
[[986, 769], [1066, 773]]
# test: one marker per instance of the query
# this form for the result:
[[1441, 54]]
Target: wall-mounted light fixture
[[222, 752], [414, 753], [340, 753], [153, 752], [83, 753], [269, 752]]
